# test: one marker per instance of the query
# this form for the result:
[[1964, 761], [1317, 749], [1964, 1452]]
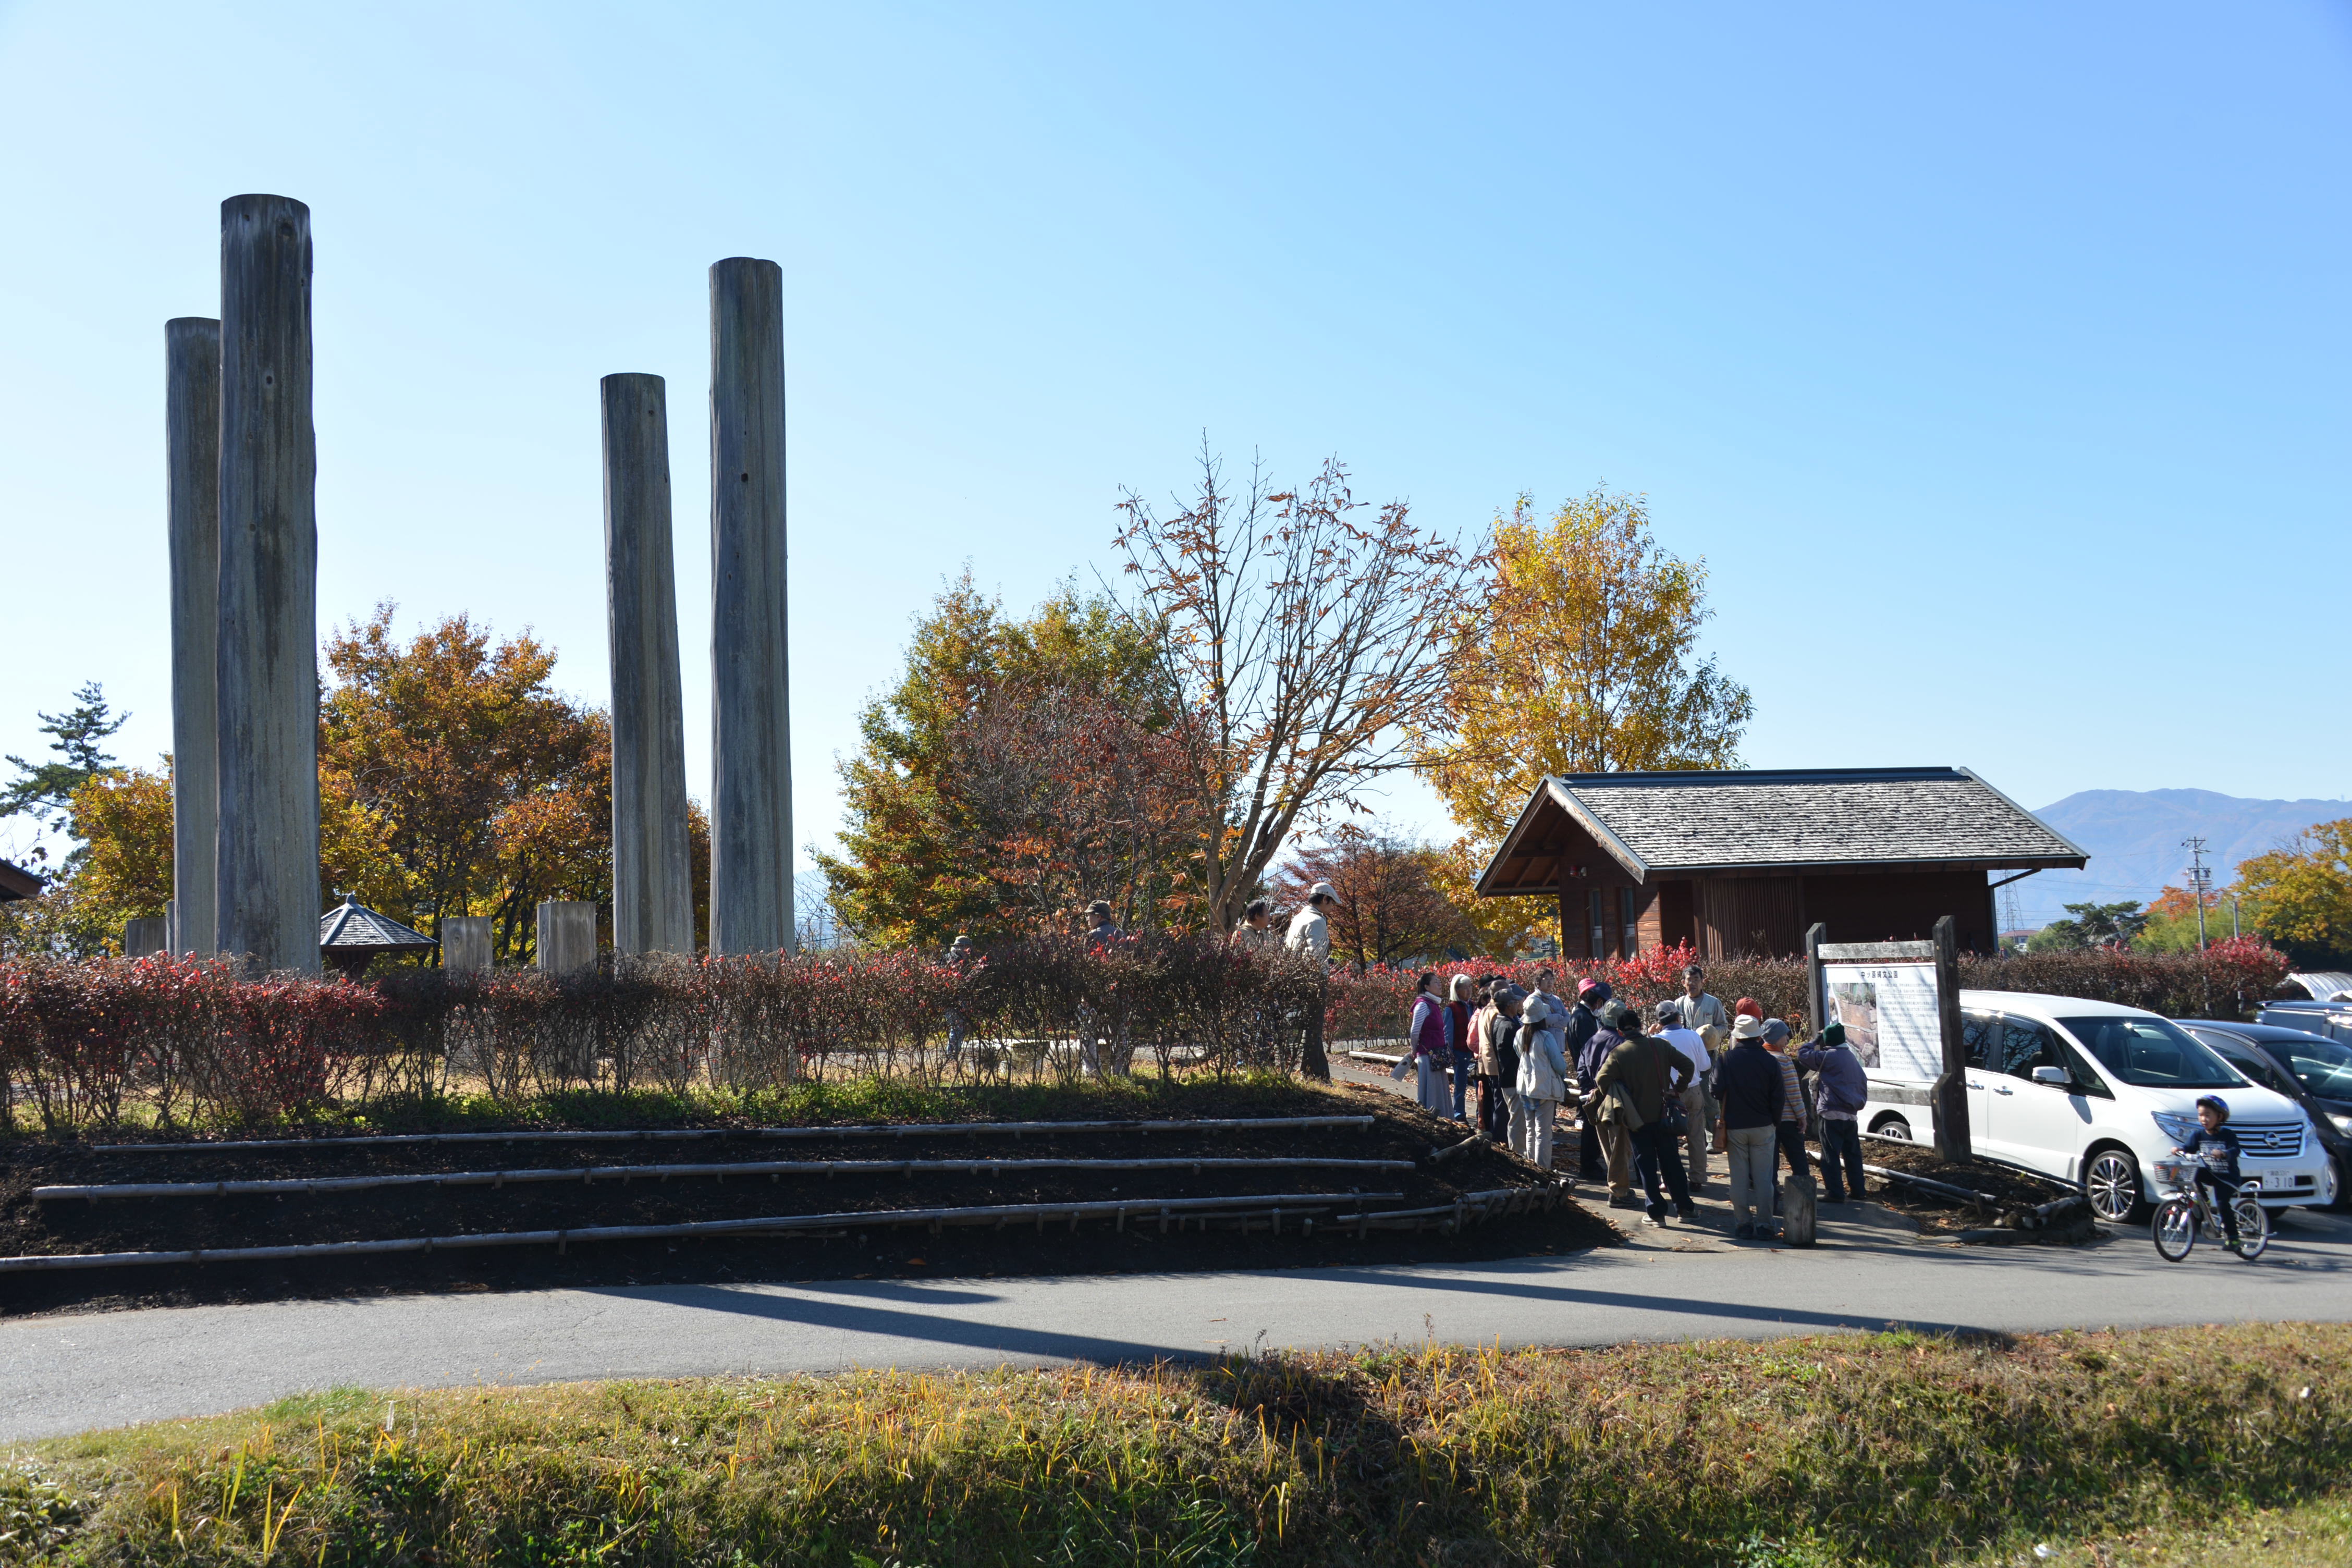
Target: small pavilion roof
[[352, 928], [1757, 821]]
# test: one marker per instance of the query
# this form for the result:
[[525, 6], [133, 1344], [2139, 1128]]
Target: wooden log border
[[681, 1134], [1273, 1204], [590, 1174], [1245, 1213]]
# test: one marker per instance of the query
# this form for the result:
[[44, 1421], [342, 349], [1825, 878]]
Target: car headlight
[[2173, 1125], [2343, 1122]]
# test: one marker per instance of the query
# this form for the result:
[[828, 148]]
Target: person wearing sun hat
[[1748, 1079]]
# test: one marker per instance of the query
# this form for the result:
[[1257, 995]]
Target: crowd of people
[[1654, 1098]]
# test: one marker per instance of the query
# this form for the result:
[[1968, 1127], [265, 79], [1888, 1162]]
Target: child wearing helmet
[[2214, 1139]]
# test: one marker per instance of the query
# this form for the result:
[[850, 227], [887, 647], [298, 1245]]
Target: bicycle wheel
[[2253, 1227], [2175, 1228]]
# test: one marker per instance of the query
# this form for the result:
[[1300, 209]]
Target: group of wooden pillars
[[242, 465], [750, 719], [242, 468]]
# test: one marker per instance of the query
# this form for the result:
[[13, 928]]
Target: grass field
[[2101, 1449]]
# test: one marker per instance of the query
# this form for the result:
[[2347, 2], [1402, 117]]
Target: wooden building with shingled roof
[[1746, 861]]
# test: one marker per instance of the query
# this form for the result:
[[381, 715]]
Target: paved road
[[67, 1374]]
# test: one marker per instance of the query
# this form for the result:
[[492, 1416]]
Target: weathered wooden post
[[466, 943], [1955, 1139], [567, 936], [266, 869], [144, 936], [192, 526], [751, 787], [653, 892]]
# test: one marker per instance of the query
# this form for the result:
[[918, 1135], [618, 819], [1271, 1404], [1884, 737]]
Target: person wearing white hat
[[1543, 1080], [1310, 932]]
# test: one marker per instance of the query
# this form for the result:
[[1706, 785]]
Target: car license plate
[[2277, 1182]]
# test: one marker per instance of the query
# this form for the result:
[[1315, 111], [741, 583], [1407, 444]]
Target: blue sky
[[1993, 356]]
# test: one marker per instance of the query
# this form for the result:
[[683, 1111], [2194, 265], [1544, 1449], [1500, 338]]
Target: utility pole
[[2198, 878]]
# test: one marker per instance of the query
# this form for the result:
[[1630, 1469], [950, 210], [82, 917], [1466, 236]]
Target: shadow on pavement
[[867, 1317]]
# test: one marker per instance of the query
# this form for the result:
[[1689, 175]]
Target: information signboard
[[1900, 1004], [1890, 1015]]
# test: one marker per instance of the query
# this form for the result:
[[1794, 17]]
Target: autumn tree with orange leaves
[[1020, 767], [454, 780]]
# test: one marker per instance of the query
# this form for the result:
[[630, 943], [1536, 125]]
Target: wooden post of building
[[144, 936], [1953, 1140], [752, 783], [191, 353], [265, 671], [653, 891], [466, 944], [1566, 950], [567, 936], [1816, 995]]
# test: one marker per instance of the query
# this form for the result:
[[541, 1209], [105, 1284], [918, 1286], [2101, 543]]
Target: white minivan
[[2095, 1093]]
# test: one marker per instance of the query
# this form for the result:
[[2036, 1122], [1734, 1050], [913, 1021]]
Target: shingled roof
[[353, 925], [1666, 825]]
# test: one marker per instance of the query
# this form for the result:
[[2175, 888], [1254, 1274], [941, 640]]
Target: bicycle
[[2188, 1207]]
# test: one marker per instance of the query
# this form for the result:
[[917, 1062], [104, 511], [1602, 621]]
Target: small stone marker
[[144, 936]]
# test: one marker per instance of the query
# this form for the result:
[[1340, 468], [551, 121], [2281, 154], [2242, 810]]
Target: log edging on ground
[[290, 1186], [679, 1134], [1242, 1206], [1245, 1211]]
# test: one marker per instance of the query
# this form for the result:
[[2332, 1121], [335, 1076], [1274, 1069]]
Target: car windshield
[[2323, 1065], [2153, 1053]]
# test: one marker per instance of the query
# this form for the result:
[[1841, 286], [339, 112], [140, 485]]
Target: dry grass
[[1887, 1449]]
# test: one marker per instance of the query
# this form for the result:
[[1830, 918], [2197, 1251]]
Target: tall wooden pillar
[[652, 893], [266, 870], [750, 719], [191, 360]]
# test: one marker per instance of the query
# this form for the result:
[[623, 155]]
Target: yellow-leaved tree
[[1578, 656], [2300, 894]]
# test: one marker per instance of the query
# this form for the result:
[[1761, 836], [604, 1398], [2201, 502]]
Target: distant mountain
[[2133, 838]]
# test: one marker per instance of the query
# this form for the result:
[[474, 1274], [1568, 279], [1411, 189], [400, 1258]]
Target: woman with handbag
[[1432, 1051]]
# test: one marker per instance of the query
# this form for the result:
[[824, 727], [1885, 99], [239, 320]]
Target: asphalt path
[[64, 1375]]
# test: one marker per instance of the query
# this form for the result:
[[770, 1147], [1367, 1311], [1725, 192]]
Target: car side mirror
[[2055, 1077]]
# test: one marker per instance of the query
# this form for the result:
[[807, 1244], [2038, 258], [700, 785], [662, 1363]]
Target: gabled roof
[[16, 882], [1760, 822], [350, 926]]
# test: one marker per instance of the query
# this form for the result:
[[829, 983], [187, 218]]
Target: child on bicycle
[[2214, 1140]]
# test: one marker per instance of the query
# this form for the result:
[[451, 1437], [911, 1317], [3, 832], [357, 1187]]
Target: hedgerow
[[97, 1042]]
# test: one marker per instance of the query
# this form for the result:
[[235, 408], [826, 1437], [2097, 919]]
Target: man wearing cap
[[1310, 932], [1309, 937], [1605, 1138], [1843, 1088], [1695, 1100], [1583, 1023], [1703, 1014], [1100, 934], [1748, 1080], [1651, 1071]]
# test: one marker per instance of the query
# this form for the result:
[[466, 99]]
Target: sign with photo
[[1890, 1015]]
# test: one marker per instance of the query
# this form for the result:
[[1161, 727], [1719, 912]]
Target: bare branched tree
[[1306, 630]]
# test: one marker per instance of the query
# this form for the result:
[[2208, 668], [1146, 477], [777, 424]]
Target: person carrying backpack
[[1841, 1090]]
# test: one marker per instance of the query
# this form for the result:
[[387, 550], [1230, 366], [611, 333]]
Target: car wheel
[[2111, 1180], [1892, 1127]]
